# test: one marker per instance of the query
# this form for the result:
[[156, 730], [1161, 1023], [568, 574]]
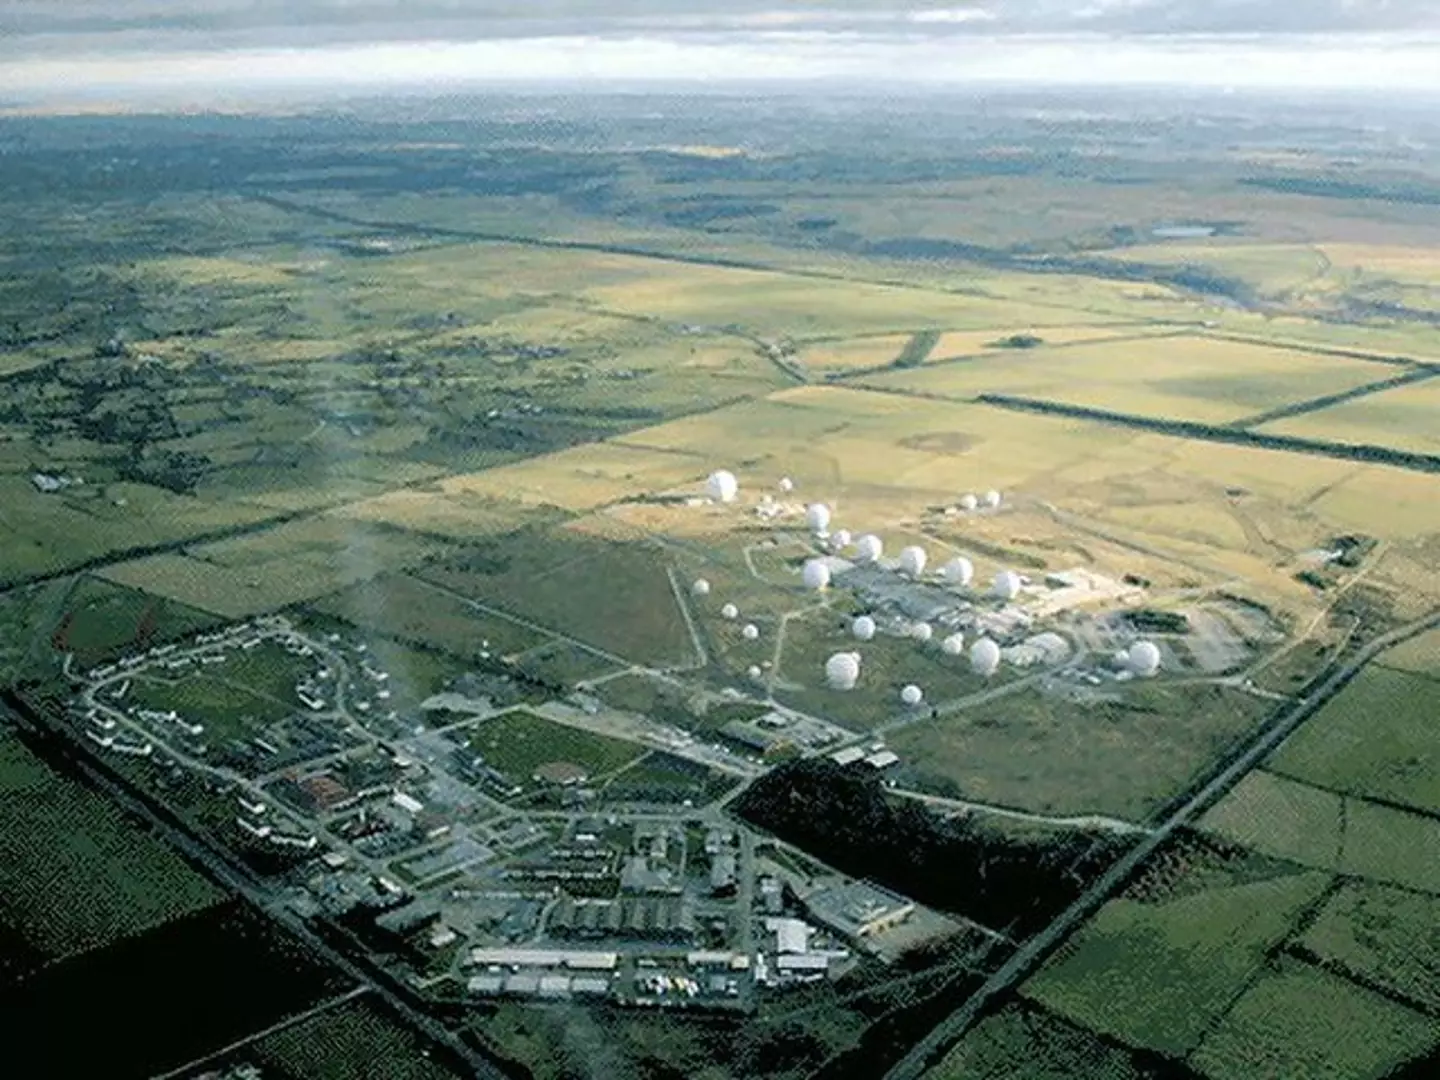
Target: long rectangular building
[[575, 959]]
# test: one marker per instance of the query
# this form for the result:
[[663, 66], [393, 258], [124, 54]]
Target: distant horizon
[[707, 63]]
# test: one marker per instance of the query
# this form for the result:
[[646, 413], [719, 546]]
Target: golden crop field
[[1406, 418], [456, 514], [1176, 378], [581, 478], [855, 354], [967, 342]]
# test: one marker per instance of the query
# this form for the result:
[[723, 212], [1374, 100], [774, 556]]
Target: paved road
[[1086, 821], [930, 1050]]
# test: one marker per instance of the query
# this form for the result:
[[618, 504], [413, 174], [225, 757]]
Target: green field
[[76, 873], [99, 621], [355, 1040], [229, 710], [1298, 1021], [402, 607], [1385, 935], [660, 778], [615, 597], [1377, 738], [1283, 819], [1050, 755], [1022, 1042], [1158, 975], [517, 742]]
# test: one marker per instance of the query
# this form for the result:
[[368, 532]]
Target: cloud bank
[[156, 47]]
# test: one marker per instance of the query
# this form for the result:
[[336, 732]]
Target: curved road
[[932, 1048]]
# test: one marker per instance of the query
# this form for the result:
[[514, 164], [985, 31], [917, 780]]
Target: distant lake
[[1183, 232]]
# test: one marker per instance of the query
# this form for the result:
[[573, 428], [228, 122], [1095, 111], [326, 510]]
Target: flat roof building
[[858, 909], [848, 756], [883, 760]]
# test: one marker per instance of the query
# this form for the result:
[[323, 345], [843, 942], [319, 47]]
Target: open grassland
[[1175, 378], [1318, 828], [889, 664], [1377, 738], [1420, 655], [408, 609], [609, 595], [1023, 1042], [445, 510], [1384, 935], [1158, 975], [1404, 418], [356, 1039], [518, 742], [854, 354], [1050, 755], [97, 620], [235, 593], [75, 872], [228, 709], [580, 479], [770, 303], [42, 533], [954, 343], [1392, 846], [1283, 819], [1300, 1021]]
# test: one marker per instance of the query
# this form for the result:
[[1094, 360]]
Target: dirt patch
[[940, 442]]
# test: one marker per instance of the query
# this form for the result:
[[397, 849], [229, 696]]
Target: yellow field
[[581, 478], [1420, 655], [853, 355], [1182, 378], [238, 592], [461, 515], [770, 302], [968, 342], [1407, 418]]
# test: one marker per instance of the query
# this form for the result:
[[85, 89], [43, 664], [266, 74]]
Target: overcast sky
[[52, 48]]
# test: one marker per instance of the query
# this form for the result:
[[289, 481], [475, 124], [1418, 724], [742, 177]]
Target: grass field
[[97, 620], [854, 354], [42, 533], [1158, 975], [889, 664], [1420, 655], [610, 595], [76, 873], [956, 343], [354, 1040], [1179, 378], [407, 608], [518, 741], [1049, 755], [1376, 738], [1278, 817], [1299, 1021], [1385, 935], [662, 778], [1403, 419], [228, 709], [1023, 1042], [1392, 846]]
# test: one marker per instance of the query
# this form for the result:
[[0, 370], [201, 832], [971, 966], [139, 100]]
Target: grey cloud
[[55, 26]]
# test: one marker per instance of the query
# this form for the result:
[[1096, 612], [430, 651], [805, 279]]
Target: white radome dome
[[869, 548], [750, 632], [863, 628], [968, 502], [912, 560], [816, 574], [701, 587], [953, 645], [842, 671], [960, 570], [729, 611], [985, 657], [912, 695], [922, 631], [722, 486]]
